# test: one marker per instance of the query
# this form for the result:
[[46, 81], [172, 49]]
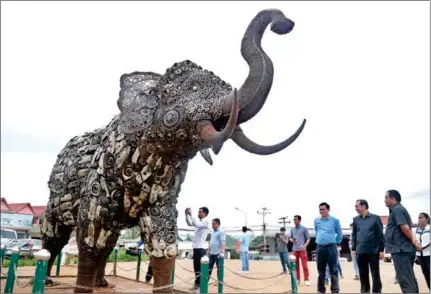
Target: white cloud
[[358, 71]]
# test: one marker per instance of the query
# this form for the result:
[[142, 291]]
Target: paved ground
[[254, 282]]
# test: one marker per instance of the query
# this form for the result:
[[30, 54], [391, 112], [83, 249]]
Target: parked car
[[27, 247], [7, 235]]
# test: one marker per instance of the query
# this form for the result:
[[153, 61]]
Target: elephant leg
[[162, 271], [95, 244], [160, 235], [54, 238], [101, 282]]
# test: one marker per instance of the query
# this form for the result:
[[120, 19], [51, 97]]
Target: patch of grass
[[124, 257], [21, 262]]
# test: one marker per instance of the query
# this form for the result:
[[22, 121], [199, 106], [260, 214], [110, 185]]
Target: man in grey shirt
[[282, 240], [368, 244], [300, 237], [401, 242]]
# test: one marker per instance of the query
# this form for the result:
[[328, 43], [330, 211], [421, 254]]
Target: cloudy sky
[[358, 71]]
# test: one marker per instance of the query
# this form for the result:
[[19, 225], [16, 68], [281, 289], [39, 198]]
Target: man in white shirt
[[199, 245]]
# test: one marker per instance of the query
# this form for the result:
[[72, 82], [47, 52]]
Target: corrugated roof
[[17, 207], [38, 210]]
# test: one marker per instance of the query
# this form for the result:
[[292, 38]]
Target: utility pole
[[283, 220], [264, 212]]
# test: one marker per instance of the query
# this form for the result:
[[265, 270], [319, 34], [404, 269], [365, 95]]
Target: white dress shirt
[[201, 232]]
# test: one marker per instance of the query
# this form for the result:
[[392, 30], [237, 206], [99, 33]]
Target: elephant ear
[[137, 101]]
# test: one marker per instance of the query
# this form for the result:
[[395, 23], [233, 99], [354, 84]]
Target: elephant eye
[[195, 87]]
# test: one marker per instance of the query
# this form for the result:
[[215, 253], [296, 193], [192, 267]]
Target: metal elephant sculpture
[[130, 172]]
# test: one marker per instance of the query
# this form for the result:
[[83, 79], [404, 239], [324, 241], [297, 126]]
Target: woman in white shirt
[[423, 236]]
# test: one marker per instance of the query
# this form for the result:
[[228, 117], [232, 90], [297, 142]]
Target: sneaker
[[307, 283], [246, 272], [195, 287], [341, 277], [356, 277]]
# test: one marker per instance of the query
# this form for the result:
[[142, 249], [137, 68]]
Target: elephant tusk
[[215, 138], [245, 143], [207, 156]]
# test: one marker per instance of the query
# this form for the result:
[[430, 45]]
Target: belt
[[325, 245]]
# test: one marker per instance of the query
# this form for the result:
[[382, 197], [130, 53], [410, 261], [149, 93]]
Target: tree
[[257, 241]]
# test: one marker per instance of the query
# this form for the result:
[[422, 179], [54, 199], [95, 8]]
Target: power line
[[283, 220], [264, 212]]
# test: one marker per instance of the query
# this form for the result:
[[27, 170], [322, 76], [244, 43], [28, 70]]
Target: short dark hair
[[297, 216], [217, 221], [283, 229], [425, 215], [395, 195], [363, 202], [244, 229], [325, 204], [205, 210]]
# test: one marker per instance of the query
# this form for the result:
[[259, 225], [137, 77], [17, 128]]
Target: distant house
[[18, 217]]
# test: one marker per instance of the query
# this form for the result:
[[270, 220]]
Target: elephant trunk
[[162, 271], [254, 91]]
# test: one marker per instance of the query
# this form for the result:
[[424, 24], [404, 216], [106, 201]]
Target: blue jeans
[[213, 260], [284, 261], [327, 256], [244, 261], [355, 265], [340, 271]]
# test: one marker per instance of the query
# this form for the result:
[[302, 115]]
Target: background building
[[21, 217]]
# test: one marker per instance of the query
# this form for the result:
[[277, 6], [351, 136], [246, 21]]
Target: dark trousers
[[213, 260], [327, 255], [366, 262], [198, 253], [424, 262], [403, 263], [149, 274]]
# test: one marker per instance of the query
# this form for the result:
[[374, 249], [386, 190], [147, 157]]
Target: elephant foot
[[79, 289], [162, 270], [103, 283], [49, 282]]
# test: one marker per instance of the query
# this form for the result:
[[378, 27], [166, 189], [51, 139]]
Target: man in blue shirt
[[328, 235], [245, 244], [216, 247]]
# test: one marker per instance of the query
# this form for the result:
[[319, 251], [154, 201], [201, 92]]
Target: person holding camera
[[282, 241], [199, 245]]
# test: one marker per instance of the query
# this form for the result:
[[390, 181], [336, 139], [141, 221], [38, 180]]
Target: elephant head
[[190, 109]]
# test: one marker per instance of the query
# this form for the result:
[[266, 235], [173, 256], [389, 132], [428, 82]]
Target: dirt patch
[[264, 277]]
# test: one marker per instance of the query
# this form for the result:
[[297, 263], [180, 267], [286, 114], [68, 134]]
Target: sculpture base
[[162, 271]]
